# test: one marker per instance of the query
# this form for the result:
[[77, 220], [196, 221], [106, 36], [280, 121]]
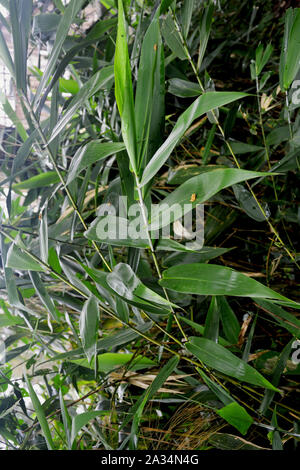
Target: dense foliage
[[150, 342]]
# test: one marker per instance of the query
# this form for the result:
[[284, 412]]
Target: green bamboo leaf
[[229, 321], [10, 282], [62, 31], [24, 151], [201, 105], [68, 86], [219, 358], [290, 54], [157, 124], [211, 328], [187, 12], [125, 282], [67, 422], [40, 415], [20, 16], [18, 259], [88, 325], [217, 389], [38, 181], [184, 88], [104, 344], [287, 320], [279, 369], [172, 37], [92, 153], [43, 294], [101, 80], [164, 5], [248, 203], [205, 26], [81, 420], [5, 55], [209, 279], [137, 410], [203, 187], [13, 353], [149, 61], [205, 254], [262, 57], [11, 114], [167, 244], [46, 23], [123, 89], [107, 362], [43, 231], [274, 435], [240, 148], [237, 416], [200, 329], [96, 33]]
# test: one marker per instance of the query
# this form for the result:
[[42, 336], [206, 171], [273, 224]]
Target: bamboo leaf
[[101, 80], [219, 358], [237, 416], [211, 328], [209, 279], [201, 105], [20, 17], [149, 61], [40, 415], [92, 153], [67, 422], [62, 31], [172, 37], [203, 187], [229, 321], [88, 325], [43, 295], [205, 26], [123, 89], [184, 88], [38, 181], [18, 259], [81, 420], [5, 55], [44, 238], [107, 362], [290, 54]]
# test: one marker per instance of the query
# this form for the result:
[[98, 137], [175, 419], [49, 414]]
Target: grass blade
[[124, 91], [62, 31], [219, 358], [201, 105], [209, 279], [102, 79], [88, 325], [40, 415]]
